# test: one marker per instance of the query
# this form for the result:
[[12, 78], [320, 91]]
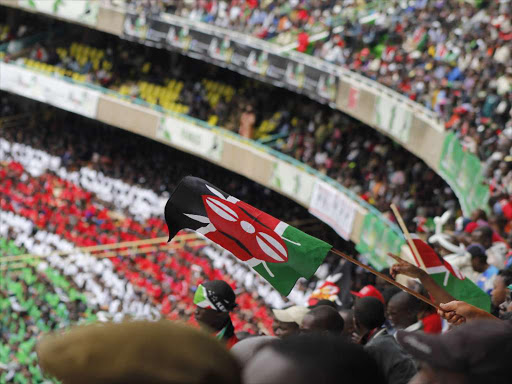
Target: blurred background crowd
[[67, 182]]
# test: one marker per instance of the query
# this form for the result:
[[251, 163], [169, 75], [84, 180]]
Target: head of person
[[506, 306], [323, 319], [388, 293], [403, 310], [499, 291], [368, 314], [483, 236], [288, 321], [478, 257], [348, 319], [329, 303], [311, 358], [161, 352], [245, 349], [214, 300], [478, 214], [477, 352]]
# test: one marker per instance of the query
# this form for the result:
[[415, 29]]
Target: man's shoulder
[[385, 344]]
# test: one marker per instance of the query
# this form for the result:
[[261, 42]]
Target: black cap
[[220, 293], [480, 349]]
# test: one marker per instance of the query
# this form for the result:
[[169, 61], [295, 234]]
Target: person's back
[[396, 366]]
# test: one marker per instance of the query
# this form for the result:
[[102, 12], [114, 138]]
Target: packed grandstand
[[322, 114]]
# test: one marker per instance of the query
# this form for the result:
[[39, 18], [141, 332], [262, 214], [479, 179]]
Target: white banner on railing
[[334, 208], [50, 90], [83, 11], [394, 118], [293, 181], [190, 137]]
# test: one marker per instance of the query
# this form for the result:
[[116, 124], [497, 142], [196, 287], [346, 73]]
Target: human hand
[[458, 312], [451, 317], [356, 338], [403, 267]]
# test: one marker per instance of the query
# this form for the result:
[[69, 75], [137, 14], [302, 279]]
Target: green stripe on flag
[[305, 254], [464, 290]]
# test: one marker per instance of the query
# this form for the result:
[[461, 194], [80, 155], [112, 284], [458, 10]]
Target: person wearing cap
[[214, 301], [477, 352], [289, 320], [369, 291], [394, 363], [479, 263]]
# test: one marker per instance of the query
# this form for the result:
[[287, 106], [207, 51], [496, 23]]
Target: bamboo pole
[[129, 252], [13, 266], [408, 238], [387, 278], [94, 248], [102, 247]]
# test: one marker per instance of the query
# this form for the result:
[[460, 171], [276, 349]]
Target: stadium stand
[[449, 56], [327, 140], [96, 225], [33, 301], [68, 182]]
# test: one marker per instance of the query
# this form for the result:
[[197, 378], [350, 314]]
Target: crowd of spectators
[[50, 200], [82, 220], [282, 22], [68, 182], [450, 56], [42, 210], [345, 150]]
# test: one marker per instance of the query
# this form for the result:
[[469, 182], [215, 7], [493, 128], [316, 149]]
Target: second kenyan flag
[[278, 252]]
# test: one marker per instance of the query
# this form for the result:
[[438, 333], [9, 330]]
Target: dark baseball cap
[[480, 349], [215, 294]]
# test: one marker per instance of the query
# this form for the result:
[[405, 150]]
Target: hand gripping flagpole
[[387, 278]]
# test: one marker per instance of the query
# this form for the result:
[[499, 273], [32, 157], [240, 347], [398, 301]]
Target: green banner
[[463, 172], [376, 240], [83, 11]]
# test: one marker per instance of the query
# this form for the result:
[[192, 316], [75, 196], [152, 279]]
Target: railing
[[301, 58]]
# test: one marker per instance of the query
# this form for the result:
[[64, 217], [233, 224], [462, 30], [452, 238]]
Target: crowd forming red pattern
[[75, 214]]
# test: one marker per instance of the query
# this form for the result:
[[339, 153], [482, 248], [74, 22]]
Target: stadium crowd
[[347, 151], [67, 182], [450, 56], [42, 210], [80, 192]]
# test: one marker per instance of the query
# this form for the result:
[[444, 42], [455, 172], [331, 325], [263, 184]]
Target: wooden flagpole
[[408, 238], [94, 248], [98, 248], [127, 252], [387, 278], [13, 266]]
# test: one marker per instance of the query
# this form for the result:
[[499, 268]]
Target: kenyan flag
[[449, 277], [278, 252]]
